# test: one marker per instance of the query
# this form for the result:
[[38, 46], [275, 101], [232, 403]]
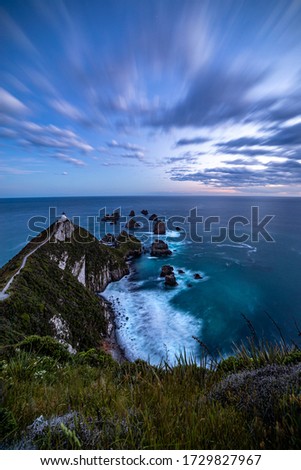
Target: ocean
[[246, 249]]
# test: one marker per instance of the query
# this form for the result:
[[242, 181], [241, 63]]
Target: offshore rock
[[166, 270], [159, 227], [144, 212], [132, 224], [197, 276], [113, 218], [153, 217], [160, 248], [170, 280]]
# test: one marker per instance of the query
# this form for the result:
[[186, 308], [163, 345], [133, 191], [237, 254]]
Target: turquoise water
[[252, 278]]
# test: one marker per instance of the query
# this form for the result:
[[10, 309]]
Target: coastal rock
[[108, 239], [197, 276], [132, 213], [166, 270], [132, 224], [178, 229], [144, 212], [153, 217], [63, 229], [159, 227], [160, 248], [133, 247], [180, 271], [170, 280], [113, 218]]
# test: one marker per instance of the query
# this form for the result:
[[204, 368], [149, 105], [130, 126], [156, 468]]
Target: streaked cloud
[[10, 104]]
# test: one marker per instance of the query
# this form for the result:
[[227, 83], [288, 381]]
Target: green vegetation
[[43, 294], [89, 401], [60, 390]]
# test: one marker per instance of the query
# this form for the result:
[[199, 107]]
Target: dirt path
[[3, 294]]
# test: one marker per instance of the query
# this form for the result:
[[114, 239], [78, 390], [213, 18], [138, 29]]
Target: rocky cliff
[[54, 293]]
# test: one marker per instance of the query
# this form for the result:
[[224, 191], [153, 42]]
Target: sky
[[132, 97]]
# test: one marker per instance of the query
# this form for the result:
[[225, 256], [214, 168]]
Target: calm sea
[[250, 277]]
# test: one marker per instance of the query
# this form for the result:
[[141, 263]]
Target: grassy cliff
[[52, 399], [54, 294]]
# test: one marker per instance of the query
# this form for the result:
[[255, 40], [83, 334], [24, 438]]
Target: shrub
[[94, 358], [235, 364], [46, 346], [259, 392]]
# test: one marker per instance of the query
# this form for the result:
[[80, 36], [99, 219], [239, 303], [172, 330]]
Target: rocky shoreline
[[110, 343]]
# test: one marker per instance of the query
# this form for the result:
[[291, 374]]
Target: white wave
[[148, 326], [250, 248]]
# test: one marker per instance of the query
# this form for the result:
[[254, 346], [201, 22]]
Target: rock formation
[[160, 248], [197, 276], [165, 270], [144, 212], [170, 280], [159, 227], [109, 238], [63, 229], [113, 218], [153, 217], [132, 224], [132, 213], [67, 266]]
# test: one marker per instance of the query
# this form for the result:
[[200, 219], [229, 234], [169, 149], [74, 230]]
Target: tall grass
[[107, 405]]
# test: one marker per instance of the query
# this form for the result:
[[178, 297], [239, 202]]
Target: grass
[[51, 399], [101, 404]]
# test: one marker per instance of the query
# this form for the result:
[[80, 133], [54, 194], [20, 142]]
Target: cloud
[[187, 157], [286, 136], [70, 111], [49, 137], [11, 105], [273, 174], [16, 171], [241, 142], [12, 32], [135, 155], [192, 141], [216, 95], [67, 159], [125, 146]]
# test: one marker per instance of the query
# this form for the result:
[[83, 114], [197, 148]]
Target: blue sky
[[122, 97]]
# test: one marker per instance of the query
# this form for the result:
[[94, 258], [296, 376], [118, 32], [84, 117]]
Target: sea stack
[[170, 280], [160, 248], [159, 227]]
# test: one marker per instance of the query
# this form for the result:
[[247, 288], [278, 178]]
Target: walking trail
[[3, 294]]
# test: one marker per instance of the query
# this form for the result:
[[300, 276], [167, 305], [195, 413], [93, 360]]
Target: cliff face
[[54, 294]]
